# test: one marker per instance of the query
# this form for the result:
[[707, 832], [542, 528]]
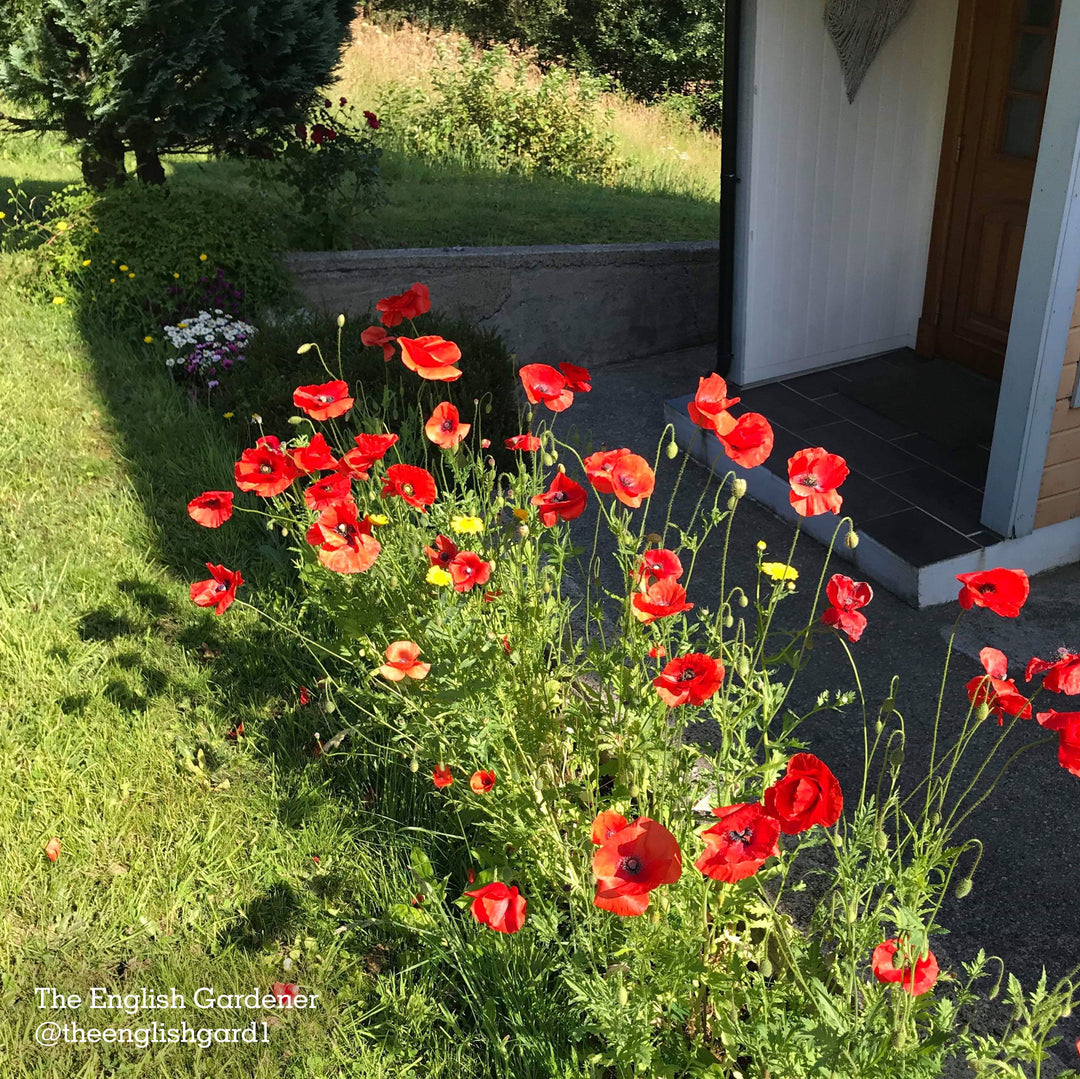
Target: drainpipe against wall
[[729, 127]]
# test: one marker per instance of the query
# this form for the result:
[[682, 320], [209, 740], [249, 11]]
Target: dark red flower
[[325, 401], [660, 565], [218, 590], [344, 541], [211, 509], [431, 357], [442, 776], [996, 691], [314, 457], [806, 795], [329, 491], [409, 304], [750, 441], [914, 977], [343, 102], [266, 470], [606, 825], [467, 569], [709, 408], [633, 861], [543, 384], [443, 553], [658, 651], [632, 480], [529, 443], [814, 475], [372, 120], [482, 782], [415, 485], [564, 500], [1003, 591], [577, 378], [740, 844], [661, 599], [690, 679], [301, 132], [1062, 674], [445, 428], [319, 133], [377, 337], [1067, 725], [369, 449], [599, 467], [846, 597], [498, 907]]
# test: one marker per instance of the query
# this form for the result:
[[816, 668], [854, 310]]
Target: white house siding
[[837, 198]]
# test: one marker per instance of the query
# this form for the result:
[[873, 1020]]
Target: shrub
[[484, 110]]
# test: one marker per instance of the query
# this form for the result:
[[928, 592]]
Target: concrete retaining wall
[[584, 303]]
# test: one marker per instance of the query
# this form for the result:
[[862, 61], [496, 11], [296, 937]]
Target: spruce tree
[[166, 76]]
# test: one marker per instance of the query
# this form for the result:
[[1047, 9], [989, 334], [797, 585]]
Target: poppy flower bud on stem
[[738, 487], [982, 710], [414, 765], [851, 540], [548, 459], [765, 966], [963, 888], [294, 420], [340, 321], [624, 996], [562, 469], [671, 450], [881, 841], [729, 621], [306, 347], [732, 502], [896, 757]]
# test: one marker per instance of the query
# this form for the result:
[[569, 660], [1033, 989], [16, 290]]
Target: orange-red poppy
[[211, 509], [1003, 591], [916, 974], [445, 428], [690, 679], [599, 467], [329, 491], [377, 337], [482, 781], [409, 304], [402, 661], [218, 590], [544, 385], [709, 408], [286, 993], [415, 485], [498, 906], [315, 456], [442, 776], [814, 475], [344, 541], [807, 794], [577, 378], [633, 861], [52, 849], [996, 690], [606, 825], [266, 470], [443, 553], [1067, 725], [632, 480], [740, 843], [846, 597], [528, 443], [1062, 673], [660, 564], [750, 441], [467, 569], [661, 599], [325, 401], [431, 357], [564, 500], [369, 449]]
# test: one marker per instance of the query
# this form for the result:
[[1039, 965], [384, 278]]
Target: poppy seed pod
[[671, 450], [896, 757], [294, 420]]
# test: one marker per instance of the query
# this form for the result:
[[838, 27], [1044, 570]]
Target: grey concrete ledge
[[585, 303]]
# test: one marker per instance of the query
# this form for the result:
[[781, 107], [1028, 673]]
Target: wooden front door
[[997, 95]]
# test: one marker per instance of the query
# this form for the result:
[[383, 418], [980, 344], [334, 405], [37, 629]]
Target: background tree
[[166, 76]]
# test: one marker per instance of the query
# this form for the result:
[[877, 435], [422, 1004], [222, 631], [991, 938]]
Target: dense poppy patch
[[633, 861], [740, 843], [815, 475], [415, 485], [445, 428], [324, 402], [411, 303], [690, 679], [807, 794], [211, 509], [265, 470], [218, 590], [1003, 591], [846, 597], [564, 500], [915, 979], [498, 906]]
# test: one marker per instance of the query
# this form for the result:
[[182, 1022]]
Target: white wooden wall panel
[[834, 228]]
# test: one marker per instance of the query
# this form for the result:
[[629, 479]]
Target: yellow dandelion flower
[[378, 519], [58, 300], [176, 275], [229, 415], [131, 275], [147, 340], [202, 258], [779, 571], [123, 268], [2, 215], [521, 515], [438, 576], [112, 280], [86, 262], [467, 526]]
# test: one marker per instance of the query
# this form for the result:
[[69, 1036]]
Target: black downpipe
[[729, 181]]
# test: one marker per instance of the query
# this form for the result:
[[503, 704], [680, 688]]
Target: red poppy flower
[[633, 861], [326, 401], [211, 509], [369, 449], [328, 491], [661, 599], [218, 590], [690, 679], [599, 467], [740, 844], [431, 357], [443, 553], [444, 427], [577, 378], [491, 597], [914, 981], [286, 993], [1003, 591], [1063, 673], [709, 408], [660, 565], [564, 500], [544, 385], [498, 906], [632, 480], [377, 337], [265, 469], [846, 597], [467, 569], [606, 825], [344, 541], [806, 795], [415, 485], [52, 849], [996, 691], [750, 441], [409, 304], [314, 457], [442, 776], [402, 662], [482, 782], [815, 475], [304, 697], [372, 120], [529, 443], [1067, 725], [658, 651]]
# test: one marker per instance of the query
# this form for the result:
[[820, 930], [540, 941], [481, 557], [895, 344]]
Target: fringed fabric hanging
[[859, 29]]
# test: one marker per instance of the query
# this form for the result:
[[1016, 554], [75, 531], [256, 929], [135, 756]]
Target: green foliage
[[484, 112], [168, 76]]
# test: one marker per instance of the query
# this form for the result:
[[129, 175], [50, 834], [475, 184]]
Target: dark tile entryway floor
[[916, 436]]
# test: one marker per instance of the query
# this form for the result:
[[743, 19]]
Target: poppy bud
[[562, 469], [487, 409], [982, 710], [414, 765], [1066, 1011], [523, 531], [635, 790], [742, 667], [729, 621], [963, 888], [340, 321], [743, 600], [548, 459], [765, 966], [851, 540], [294, 420], [738, 487], [305, 348], [881, 841], [284, 531], [896, 757], [851, 913], [732, 502], [624, 996], [672, 450], [879, 727], [898, 1039]]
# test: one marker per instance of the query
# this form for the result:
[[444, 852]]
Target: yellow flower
[[521, 515], [86, 262], [112, 280], [378, 519], [123, 268], [177, 275], [761, 545], [202, 258], [437, 575], [58, 300], [2, 215], [147, 340], [131, 275], [466, 526], [62, 226], [229, 415], [182, 325], [779, 571], [96, 228]]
